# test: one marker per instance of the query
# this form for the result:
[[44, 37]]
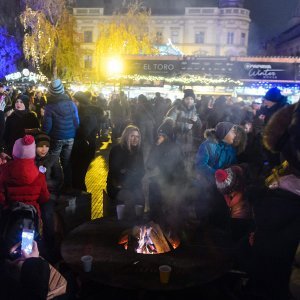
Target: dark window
[[230, 38], [88, 37], [88, 62], [243, 38], [199, 37]]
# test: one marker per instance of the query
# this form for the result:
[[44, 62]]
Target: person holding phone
[[26, 277]]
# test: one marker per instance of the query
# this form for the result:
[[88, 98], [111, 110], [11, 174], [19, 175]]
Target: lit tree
[[50, 40], [126, 33], [9, 53]]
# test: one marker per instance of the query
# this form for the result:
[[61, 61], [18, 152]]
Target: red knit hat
[[24, 148], [229, 180]]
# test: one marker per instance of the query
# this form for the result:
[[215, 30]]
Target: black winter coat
[[277, 234], [54, 172], [126, 170], [16, 124], [169, 159]]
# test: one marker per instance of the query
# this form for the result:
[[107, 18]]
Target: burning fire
[[150, 239]]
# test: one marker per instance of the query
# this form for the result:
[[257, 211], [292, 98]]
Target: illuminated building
[[203, 31]]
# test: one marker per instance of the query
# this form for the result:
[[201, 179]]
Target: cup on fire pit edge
[[120, 211], [87, 262], [139, 210], [164, 273]]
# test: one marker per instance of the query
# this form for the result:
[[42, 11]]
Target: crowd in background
[[231, 165]]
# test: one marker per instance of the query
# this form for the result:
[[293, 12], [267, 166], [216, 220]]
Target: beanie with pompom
[[230, 179], [24, 148]]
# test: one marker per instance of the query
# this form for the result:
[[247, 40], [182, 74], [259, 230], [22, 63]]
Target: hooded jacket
[[214, 154], [21, 181], [61, 118]]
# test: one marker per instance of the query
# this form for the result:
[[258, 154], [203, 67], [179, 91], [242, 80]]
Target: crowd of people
[[235, 165]]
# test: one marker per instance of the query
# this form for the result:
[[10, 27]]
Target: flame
[[150, 239]]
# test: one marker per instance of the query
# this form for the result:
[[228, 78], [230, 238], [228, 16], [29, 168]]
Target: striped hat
[[56, 87], [230, 179]]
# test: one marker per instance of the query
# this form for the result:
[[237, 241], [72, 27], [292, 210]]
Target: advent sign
[[248, 71]]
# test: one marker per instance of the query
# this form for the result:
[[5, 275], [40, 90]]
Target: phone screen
[[27, 240]]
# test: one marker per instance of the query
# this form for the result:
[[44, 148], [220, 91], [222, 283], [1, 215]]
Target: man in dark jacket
[[84, 148], [273, 101], [60, 123]]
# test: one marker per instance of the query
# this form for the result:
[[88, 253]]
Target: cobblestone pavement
[[96, 179]]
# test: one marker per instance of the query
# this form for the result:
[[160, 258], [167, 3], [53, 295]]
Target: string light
[[184, 79]]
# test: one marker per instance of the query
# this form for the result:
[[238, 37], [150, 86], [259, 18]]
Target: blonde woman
[[126, 170]]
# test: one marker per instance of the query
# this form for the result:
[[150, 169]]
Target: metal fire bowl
[[194, 262]]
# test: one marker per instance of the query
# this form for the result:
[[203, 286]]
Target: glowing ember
[[150, 239]]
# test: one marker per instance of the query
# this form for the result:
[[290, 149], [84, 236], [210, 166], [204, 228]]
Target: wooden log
[[158, 239]]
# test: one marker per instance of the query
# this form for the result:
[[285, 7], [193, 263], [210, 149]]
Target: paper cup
[[139, 210], [72, 202], [120, 211], [87, 262], [164, 273]]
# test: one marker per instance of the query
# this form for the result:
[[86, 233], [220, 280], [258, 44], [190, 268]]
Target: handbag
[[57, 284]]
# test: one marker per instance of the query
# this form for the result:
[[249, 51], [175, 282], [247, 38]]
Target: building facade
[[203, 31]]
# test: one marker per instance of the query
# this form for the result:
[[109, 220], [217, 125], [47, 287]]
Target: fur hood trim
[[277, 127], [210, 134]]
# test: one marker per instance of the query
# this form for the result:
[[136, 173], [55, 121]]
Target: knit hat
[[189, 93], [222, 129], [273, 95], [56, 87], [24, 99], [42, 139], [24, 148], [229, 180], [166, 128]]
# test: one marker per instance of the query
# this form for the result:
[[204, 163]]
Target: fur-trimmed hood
[[282, 134], [277, 128], [210, 134]]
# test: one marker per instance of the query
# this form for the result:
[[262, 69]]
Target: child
[[48, 164], [51, 167], [20, 179], [230, 183]]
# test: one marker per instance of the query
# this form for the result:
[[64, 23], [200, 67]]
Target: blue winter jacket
[[213, 155], [61, 118]]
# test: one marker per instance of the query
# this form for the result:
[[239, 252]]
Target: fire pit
[[194, 262], [149, 238]]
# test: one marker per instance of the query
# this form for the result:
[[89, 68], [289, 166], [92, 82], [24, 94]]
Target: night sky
[[269, 17]]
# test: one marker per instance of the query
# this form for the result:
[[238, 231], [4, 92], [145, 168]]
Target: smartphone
[[27, 240]]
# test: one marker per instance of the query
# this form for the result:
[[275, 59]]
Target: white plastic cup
[[120, 211], [139, 210], [164, 273], [72, 202], [87, 262]]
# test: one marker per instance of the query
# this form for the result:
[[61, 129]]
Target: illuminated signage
[[26, 75]]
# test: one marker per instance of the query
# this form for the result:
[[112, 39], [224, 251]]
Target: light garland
[[32, 19], [184, 79]]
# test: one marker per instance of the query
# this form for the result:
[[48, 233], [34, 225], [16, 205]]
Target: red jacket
[[20, 180]]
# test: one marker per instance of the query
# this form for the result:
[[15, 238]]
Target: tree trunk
[[54, 62]]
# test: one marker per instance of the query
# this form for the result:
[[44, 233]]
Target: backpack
[[14, 219]]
